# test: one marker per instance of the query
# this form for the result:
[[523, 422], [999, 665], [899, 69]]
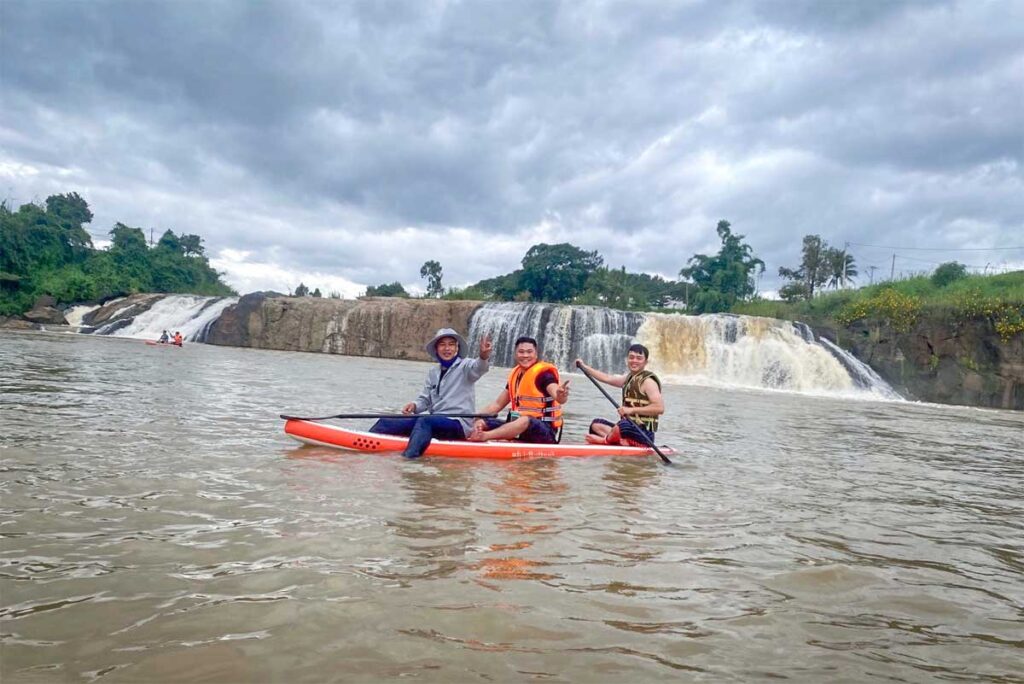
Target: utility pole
[[892, 271], [150, 237], [872, 274]]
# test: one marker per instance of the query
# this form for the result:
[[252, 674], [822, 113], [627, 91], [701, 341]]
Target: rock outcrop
[[383, 327], [947, 363], [120, 312], [45, 311]]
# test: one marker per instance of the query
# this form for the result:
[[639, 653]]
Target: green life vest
[[633, 396]]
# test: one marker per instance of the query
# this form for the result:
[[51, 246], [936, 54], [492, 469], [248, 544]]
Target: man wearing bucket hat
[[449, 389]]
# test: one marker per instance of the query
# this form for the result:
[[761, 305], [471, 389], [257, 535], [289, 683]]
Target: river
[[158, 526]]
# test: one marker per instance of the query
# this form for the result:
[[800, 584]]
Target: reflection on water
[[157, 526]]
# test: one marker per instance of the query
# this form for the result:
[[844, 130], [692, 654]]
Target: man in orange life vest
[[535, 394]]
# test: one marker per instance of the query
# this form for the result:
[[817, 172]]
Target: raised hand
[[562, 393], [485, 347]]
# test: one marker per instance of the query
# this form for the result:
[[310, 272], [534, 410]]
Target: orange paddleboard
[[321, 434]]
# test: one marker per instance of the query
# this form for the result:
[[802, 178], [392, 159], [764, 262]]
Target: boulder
[[45, 315]]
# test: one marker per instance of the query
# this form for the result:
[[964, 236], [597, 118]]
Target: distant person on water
[[164, 337], [642, 402], [536, 395], [178, 339], [449, 389]]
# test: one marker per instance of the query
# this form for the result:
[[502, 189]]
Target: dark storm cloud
[[360, 139]]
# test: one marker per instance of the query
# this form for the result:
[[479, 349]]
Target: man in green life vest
[[641, 402]]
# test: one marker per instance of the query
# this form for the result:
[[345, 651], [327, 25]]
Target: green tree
[[724, 278], [301, 291], [71, 212], [169, 241], [191, 245], [501, 288], [128, 239], [842, 268], [947, 273], [316, 293], [814, 269], [617, 289], [557, 273], [394, 289], [431, 270]]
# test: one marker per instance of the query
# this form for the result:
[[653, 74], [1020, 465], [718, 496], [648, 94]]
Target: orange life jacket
[[527, 400], [178, 340]]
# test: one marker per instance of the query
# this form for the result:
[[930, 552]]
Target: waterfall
[[748, 351], [74, 314], [189, 314], [564, 333], [716, 349]]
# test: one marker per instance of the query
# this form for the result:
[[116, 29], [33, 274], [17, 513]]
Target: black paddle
[[641, 433], [393, 415]]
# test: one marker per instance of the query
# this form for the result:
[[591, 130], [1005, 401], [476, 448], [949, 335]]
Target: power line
[[932, 263], [942, 249]]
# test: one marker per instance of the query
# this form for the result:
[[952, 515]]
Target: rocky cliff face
[[383, 327], [965, 363]]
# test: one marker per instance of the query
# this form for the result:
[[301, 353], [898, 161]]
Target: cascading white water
[[716, 349], [189, 314], [74, 315], [747, 351]]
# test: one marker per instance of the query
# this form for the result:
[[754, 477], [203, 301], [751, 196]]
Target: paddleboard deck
[[321, 434]]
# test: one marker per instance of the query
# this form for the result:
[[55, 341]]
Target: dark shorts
[[538, 432], [627, 429]]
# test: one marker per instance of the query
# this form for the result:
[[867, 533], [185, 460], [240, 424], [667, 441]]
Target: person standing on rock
[[536, 396], [449, 389], [642, 402]]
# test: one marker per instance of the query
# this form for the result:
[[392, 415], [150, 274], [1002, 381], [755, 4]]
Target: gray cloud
[[361, 139]]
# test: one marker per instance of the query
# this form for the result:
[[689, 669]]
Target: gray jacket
[[455, 392]]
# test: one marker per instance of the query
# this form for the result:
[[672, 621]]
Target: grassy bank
[[902, 304]]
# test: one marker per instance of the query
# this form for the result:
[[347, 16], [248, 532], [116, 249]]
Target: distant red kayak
[[321, 434], [153, 343]]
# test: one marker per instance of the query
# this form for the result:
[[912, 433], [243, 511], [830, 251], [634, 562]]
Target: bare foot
[[477, 435]]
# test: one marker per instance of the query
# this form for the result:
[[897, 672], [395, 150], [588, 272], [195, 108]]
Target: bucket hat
[[431, 346]]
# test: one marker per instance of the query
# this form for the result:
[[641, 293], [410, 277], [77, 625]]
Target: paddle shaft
[[643, 435], [393, 415]]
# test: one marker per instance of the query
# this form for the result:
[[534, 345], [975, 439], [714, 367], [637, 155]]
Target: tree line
[[45, 250], [565, 273]]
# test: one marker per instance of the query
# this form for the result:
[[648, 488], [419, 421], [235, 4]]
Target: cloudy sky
[[344, 144]]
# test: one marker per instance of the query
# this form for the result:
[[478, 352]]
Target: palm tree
[[842, 268]]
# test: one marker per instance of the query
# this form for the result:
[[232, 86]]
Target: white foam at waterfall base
[[74, 315], [188, 314], [753, 353]]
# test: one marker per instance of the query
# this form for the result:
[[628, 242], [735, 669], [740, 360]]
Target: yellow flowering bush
[[1010, 322], [900, 311], [1007, 317]]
